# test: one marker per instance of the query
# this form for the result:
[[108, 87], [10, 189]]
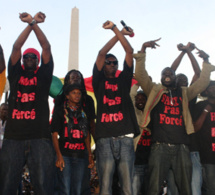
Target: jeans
[[114, 153], [168, 156], [140, 180], [196, 173], [172, 188], [38, 154], [70, 179], [208, 186]]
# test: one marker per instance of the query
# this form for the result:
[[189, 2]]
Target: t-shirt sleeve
[[57, 120], [13, 70], [97, 77], [127, 74], [92, 114], [47, 69]]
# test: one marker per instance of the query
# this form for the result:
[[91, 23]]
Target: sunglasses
[[115, 62], [30, 55]]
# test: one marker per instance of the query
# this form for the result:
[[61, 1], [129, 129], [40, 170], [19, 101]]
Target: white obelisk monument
[[74, 37]]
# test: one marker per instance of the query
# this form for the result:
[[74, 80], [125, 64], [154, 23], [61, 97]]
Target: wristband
[[205, 110], [32, 22], [113, 26]]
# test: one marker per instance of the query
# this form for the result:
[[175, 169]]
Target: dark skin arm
[[46, 49], [177, 61], [2, 61], [60, 161], [200, 121], [109, 45], [149, 44], [90, 156]]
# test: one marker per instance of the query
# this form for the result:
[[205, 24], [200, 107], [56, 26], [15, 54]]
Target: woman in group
[[71, 125]]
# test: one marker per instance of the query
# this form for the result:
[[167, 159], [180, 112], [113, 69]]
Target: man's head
[[168, 77], [73, 93], [110, 66], [140, 100], [4, 111], [210, 91], [181, 80], [31, 59]]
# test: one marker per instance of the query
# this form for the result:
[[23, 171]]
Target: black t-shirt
[[28, 116], [143, 149], [71, 138], [206, 134], [115, 111], [167, 120]]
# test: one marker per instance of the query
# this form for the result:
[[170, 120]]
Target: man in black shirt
[[27, 138], [116, 122]]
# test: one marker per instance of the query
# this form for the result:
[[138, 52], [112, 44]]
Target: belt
[[119, 137], [168, 144]]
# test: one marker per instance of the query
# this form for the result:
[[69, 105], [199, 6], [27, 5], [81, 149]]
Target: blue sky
[[174, 21]]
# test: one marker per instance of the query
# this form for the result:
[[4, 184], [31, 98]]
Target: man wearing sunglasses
[[27, 138], [116, 122]]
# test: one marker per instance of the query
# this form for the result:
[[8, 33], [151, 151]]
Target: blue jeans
[[162, 158], [140, 180], [208, 186], [196, 173], [114, 153], [39, 156], [71, 178]]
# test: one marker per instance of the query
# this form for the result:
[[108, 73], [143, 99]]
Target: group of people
[[150, 138]]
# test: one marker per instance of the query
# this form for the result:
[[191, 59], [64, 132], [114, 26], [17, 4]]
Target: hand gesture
[[181, 47], [108, 25], [60, 163], [152, 44], [40, 17], [91, 162], [125, 32], [190, 46], [25, 17], [202, 54]]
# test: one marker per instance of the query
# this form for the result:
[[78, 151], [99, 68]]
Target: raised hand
[[125, 32], [108, 25], [202, 54], [151, 44], [190, 46], [181, 47], [25, 17], [40, 17]]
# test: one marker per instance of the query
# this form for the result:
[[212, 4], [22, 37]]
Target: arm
[[59, 162], [140, 71], [177, 61], [2, 61], [200, 121], [204, 79], [195, 65], [46, 48], [118, 36], [133, 93], [90, 156]]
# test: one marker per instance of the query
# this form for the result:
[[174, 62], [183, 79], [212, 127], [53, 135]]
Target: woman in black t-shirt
[[70, 124]]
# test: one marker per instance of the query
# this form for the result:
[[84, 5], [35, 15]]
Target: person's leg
[[78, 166], [126, 165], [172, 189], [64, 177], [208, 179], [11, 165], [196, 173], [138, 180], [105, 164], [182, 170], [41, 164], [85, 189], [159, 165]]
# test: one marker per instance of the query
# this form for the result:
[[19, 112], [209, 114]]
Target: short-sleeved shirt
[[28, 114], [71, 141], [115, 111]]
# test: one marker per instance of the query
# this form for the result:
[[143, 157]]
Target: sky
[[174, 21]]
